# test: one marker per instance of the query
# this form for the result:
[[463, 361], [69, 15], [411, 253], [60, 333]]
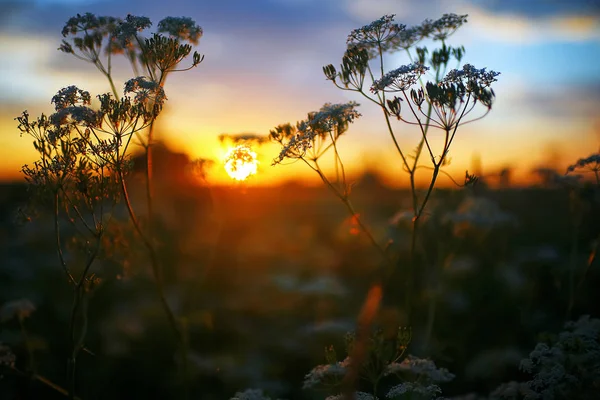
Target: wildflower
[[399, 79], [592, 162], [511, 390], [7, 357], [421, 367], [569, 365], [441, 28], [19, 309], [70, 96], [250, 394], [330, 121], [479, 213], [323, 374], [472, 76], [405, 38], [356, 396], [379, 34], [146, 90], [126, 31], [79, 115], [429, 391], [183, 28]]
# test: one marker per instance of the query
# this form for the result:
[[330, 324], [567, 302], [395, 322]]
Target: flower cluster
[[330, 121], [568, 366], [125, 33], [327, 374], [471, 77], [377, 33], [424, 369], [183, 28], [592, 163], [399, 79], [357, 396], [19, 309], [7, 357], [428, 391], [250, 394], [443, 27], [146, 90]]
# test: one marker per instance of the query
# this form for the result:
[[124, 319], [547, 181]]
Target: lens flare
[[240, 162]]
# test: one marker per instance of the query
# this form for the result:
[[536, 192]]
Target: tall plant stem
[[157, 273]]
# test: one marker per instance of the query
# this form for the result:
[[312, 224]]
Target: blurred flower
[[356, 396], [569, 366], [510, 391], [423, 368], [17, 308], [592, 163], [145, 90], [250, 394], [183, 28], [443, 27], [7, 357], [478, 213], [429, 391], [326, 374]]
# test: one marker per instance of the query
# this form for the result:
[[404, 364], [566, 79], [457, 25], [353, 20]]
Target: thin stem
[[58, 245], [156, 271]]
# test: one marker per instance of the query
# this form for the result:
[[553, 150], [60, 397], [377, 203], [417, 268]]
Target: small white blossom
[[471, 77], [183, 28], [323, 374], [429, 391], [7, 357], [443, 27], [399, 79], [422, 367], [479, 213], [16, 309], [380, 32], [250, 394], [357, 396]]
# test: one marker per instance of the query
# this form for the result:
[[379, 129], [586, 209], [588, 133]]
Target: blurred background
[[269, 271]]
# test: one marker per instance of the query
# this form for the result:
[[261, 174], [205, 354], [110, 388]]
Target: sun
[[240, 162]]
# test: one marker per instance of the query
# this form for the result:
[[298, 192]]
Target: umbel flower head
[[328, 123], [183, 28], [400, 79]]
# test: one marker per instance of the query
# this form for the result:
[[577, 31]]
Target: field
[[266, 278]]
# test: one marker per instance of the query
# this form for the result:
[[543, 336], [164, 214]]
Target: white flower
[[16, 308], [399, 79], [6, 356], [183, 28], [421, 367], [326, 373], [429, 391], [250, 394], [357, 396]]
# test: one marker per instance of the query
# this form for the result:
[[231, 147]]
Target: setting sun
[[240, 162]]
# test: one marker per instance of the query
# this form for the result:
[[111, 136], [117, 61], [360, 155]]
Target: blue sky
[[263, 67]]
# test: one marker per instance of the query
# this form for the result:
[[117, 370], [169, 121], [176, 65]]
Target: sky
[[263, 67]]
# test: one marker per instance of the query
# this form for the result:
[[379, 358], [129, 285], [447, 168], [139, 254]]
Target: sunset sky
[[263, 66]]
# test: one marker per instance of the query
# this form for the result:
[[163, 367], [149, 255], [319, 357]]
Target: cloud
[[516, 28]]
